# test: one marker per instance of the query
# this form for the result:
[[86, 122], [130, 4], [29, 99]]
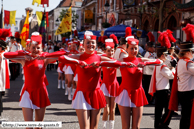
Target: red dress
[[88, 95], [110, 84], [131, 92], [34, 95], [70, 68]]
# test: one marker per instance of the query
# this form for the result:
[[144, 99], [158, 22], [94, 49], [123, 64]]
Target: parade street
[[60, 109]]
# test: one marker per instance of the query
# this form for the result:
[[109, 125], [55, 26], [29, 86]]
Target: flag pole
[[46, 25], [2, 14], [71, 18]]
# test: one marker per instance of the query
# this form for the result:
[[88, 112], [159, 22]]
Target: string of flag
[[9, 17], [41, 2]]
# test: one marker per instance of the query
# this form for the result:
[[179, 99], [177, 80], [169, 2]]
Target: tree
[[75, 16]]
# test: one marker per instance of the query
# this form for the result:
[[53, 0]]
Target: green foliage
[[74, 20]]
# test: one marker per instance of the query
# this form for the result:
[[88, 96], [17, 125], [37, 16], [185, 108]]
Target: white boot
[[66, 92], [111, 124], [59, 84], [73, 91], [69, 93], [104, 124], [63, 84]]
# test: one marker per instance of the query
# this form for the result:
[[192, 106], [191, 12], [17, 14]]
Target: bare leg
[[83, 118], [69, 79], [59, 75], [28, 114], [94, 120], [112, 108], [62, 76], [39, 114], [106, 109], [136, 117], [125, 116], [74, 85]]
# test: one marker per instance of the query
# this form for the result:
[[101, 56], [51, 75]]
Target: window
[[78, 4], [16, 22]]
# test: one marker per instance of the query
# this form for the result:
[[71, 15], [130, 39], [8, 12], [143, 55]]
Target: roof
[[184, 7]]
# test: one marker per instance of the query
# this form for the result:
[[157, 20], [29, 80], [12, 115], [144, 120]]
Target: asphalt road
[[60, 109]]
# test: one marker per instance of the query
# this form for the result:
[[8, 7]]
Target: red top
[[34, 73], [73, 66], [129, 75], [88, 77], [109, 75]]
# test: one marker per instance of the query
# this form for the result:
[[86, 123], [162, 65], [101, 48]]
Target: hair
[[182, 53], [2, 48], [159, 54]]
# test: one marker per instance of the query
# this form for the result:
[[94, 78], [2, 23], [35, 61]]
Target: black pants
[[161, 102], [2, 93], [13, 70], [119, 79], [17, 69], [185, 99], [50, 67], [171, 82], [146, 85]]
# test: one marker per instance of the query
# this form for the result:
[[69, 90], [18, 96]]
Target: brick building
[[145, 16]]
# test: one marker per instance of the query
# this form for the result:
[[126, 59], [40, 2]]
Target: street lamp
[[106, 7]]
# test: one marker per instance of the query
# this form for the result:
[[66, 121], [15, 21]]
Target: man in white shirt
[[13, 47], [148, 70], [18, 65], [162, 74], [50, 49]]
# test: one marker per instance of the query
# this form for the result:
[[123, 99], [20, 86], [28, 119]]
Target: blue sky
[[20, 5]]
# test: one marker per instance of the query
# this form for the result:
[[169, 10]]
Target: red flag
[[47, 20], [45, 2], [7, 16], [192, 117], [7, 83], [173, 104], [152, 87]]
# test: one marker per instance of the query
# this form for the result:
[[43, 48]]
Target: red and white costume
[[61, 65], [160, 78], [110, 84], [131, 94], [4, 73], [88, 95], [70, 68], [34, 94]]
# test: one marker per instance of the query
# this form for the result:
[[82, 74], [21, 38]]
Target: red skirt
[[90, 100], [131, 98]]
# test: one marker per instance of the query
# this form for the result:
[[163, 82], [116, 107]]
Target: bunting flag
[[25, 31], [43, 2], [42, 29], [39, 17], [66, 24], [9, 17]]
